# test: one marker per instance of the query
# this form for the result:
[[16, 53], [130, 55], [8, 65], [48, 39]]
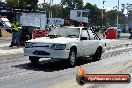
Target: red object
[[38, 33], [110, 34]]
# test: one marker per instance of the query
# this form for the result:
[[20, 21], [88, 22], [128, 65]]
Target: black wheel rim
[[72, 58]]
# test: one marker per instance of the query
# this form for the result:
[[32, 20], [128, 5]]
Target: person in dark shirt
[[130, 30]]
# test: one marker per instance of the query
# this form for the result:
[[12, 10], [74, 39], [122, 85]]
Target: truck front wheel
[[72, 57]]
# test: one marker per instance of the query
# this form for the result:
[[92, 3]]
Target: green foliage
[[94, 14], [21, 2], [12, 2], [122, 8], [129, 13], [2, 3], [31, 2], [57, 11], [112, 17], [62, 10], [129, 20], [70, 4]]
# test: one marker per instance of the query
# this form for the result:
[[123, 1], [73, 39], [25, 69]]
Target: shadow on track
[[51, 65]]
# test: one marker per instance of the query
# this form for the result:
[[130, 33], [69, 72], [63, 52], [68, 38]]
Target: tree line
[[62, 10]]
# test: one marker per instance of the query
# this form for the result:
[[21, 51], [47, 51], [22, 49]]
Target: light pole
[[50, 12], [118, 16], [103, 13]]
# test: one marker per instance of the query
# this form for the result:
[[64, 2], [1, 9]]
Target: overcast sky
[[109, 4]]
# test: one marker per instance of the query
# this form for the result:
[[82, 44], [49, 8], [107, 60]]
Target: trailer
[[80, 15], [30, 19], [34, 22], [77, 17]]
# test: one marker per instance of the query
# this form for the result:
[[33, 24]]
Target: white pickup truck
[[67, 43]]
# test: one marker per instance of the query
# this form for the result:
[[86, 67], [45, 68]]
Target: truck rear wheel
[[34, 59]]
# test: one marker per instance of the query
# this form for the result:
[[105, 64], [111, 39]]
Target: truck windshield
[[65, 32]]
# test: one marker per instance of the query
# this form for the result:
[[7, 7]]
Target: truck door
[[94, 40], [85, 44]]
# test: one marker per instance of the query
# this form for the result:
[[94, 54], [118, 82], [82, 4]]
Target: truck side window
[[85, 34], [78, 13], [92, 35]]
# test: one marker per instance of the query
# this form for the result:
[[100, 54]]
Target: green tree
[[31, 2], [129, 18], [57, 11], [12, 2], [45, 6], [129, 13], [122, 8], [21, 2], [112, 17], [94, 14], [70, 4], [2, 3]]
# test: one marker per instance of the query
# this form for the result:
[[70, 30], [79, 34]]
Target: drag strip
[[16, 70]]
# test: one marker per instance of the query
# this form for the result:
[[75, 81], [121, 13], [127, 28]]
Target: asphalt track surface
[[16, 71]]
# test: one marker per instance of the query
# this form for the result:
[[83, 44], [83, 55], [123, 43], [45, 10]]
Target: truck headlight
[[29, 45], [58, 46]]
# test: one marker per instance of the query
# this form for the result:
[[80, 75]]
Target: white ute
[[66, 43]]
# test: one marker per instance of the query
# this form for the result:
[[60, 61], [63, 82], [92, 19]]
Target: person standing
[[130, 30], [15, 38], [118, 33]]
